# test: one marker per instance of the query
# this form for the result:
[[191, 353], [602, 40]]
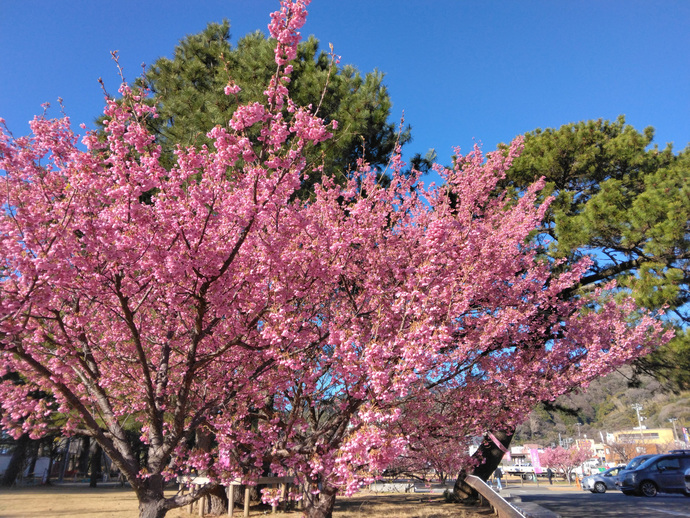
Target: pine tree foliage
[[189, 93], [626, 203]]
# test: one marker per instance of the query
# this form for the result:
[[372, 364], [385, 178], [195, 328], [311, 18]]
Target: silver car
[[600, 482]]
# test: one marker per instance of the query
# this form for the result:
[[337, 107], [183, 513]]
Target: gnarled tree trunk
[[218, 503], [151, 498], [151, 508], [489, 455], [322, 504]]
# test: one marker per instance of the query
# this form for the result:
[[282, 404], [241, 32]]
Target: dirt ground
[[85, 502]]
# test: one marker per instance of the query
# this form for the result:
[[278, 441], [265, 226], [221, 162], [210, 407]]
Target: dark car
[[600, 482], [661, 474]]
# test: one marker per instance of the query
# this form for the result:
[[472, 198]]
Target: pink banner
[[534, 454]]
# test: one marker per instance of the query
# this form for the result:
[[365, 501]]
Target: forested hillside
[[604, 407]]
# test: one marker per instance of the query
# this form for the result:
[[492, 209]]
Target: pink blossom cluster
[[284, 27], [270, 496], [231, 88]]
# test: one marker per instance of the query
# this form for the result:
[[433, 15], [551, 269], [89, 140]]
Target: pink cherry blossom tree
[[304, 335], [565, 460]]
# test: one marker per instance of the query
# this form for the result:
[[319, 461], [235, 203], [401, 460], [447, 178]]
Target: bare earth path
[[85, 502]]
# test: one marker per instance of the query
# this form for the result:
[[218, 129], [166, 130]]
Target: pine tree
[[188, 91], [627, 205]]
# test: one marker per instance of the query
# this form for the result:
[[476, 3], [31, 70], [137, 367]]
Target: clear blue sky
[[462, 71]]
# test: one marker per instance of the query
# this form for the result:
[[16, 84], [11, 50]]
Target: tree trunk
[[96, 465], [51, 461], [64, 461], [218, 503], [218, 500], [321, 505], [489, 456], [151, 497], [152, 508], [83, 462], [463, 492], [17, 461], [33, 455]]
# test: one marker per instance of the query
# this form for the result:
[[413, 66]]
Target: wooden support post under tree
[[190, 507], [230, 490], [196, 482]]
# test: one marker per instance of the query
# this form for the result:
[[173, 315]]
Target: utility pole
[[673, 420], [637, 408]]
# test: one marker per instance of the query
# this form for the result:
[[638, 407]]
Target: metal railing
[[502, 508]]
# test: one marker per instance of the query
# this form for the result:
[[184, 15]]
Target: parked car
[[661, 474], [600, 482], [631, 465]]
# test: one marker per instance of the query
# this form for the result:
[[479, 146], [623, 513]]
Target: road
[[570, 503]]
